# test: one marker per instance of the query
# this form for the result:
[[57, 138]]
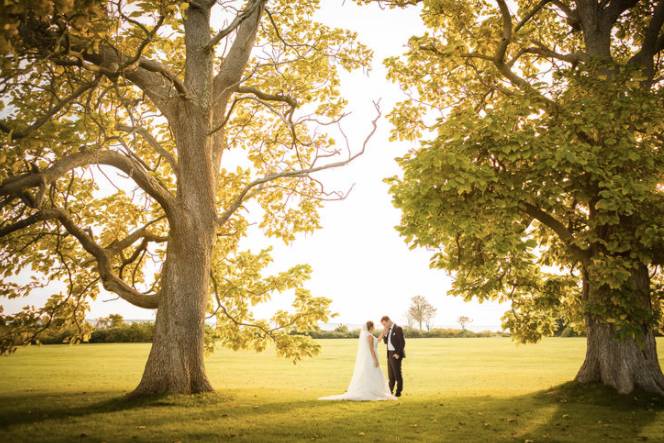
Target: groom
[[396, 344]]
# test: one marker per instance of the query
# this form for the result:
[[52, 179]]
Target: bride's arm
[[370, 339]]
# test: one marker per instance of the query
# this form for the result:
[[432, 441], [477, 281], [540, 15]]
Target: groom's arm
[[401, 341]]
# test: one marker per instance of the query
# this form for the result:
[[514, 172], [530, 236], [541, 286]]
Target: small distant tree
[[429, 315], [421, 311], [463, 321]]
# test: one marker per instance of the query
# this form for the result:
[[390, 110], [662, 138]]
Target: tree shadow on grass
[[565, 413], [594, 412], [32, 408], [569, 412]]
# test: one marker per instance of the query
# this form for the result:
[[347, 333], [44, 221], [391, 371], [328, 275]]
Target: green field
[[456, 390]]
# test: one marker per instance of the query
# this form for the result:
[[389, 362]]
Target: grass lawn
[[455, 390]]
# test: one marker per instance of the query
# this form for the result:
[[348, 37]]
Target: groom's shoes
[[398, 394]]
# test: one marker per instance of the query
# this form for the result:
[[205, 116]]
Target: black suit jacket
[[398, 341]]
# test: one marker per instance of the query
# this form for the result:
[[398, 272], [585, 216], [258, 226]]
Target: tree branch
[[234, 64], [652, 41], [110, 281], [237, 202], [546, 53], [265, 96], [237, 21], [141, 233], [149, 75], [499, 58], [152, 141], [22, 224], [614, 10], [17, 134], [556, 226], [532, 13], [17, 184]]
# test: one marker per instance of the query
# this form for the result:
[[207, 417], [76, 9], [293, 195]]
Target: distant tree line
[[115, 329], [343, 331]]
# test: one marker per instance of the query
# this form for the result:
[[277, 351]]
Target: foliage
[[341, 331], [537, 176], [344, 332], [134, 332], [450, 333]]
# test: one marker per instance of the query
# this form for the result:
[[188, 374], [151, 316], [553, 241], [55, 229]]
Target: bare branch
[[614, 10], [140, 233], [477, 55], [237, 202], [265, 96], [545, 52], [22, 224]]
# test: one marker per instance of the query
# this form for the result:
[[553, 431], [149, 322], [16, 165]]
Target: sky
[[358, 259]]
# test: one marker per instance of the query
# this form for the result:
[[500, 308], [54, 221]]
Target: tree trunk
[[623, 363], [176, 364]]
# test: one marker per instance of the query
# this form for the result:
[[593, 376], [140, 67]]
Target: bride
[[368, 382]]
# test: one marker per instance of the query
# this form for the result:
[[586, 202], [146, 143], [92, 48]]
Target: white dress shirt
[[390, 346]]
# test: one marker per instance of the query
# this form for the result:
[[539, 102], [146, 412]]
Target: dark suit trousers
[[394, 372]]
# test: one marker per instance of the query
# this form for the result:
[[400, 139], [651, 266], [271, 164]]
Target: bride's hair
[[370, 325]]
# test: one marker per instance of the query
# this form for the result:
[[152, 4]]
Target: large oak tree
[[539, 171], [138, 138]]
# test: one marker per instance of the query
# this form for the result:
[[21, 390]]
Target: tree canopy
[[135, 131]]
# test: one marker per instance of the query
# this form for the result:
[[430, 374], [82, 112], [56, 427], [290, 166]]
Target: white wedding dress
[[368, 382]]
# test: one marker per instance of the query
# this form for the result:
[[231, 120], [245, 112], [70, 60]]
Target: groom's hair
[[384, 318]]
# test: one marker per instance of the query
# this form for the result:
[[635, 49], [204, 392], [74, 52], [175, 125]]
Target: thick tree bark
[[623, 363], [176, 362]]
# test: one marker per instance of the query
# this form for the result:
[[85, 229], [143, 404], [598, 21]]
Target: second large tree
[[539, 170]]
